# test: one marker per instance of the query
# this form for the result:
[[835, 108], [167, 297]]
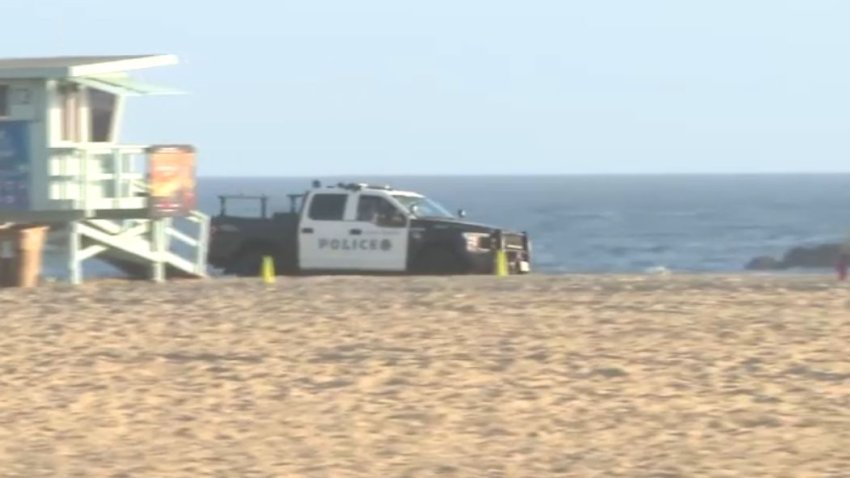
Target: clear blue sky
[[314, 87]]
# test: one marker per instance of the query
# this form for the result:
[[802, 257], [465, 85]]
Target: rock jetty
[[801, 257]]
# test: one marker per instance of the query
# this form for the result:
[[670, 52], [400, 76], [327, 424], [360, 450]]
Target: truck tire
[[246, 264], [438, 261]]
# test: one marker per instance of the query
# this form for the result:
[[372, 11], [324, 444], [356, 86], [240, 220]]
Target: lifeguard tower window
[[328, 207], [4, 101], [102, 107], [70, 101]]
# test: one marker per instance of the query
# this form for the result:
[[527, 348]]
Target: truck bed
[[233, 236]]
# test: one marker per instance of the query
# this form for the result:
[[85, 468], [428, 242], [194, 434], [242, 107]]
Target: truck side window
[[328, 207], [378, 210]]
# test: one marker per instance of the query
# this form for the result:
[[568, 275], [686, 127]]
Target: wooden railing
[[198, 244], [94, 177]]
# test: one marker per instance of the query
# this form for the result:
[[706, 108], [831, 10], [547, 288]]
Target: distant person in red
[[842, 264]]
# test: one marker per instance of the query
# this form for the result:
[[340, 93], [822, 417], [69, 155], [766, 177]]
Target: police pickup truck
[[362, 229]]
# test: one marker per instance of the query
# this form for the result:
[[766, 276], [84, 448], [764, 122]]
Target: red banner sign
[[172, 180]]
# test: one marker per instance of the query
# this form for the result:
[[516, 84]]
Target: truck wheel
[[247, 264], [436, 261]]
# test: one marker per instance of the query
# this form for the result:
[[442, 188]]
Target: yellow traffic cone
[[267, 271], [501, 266]]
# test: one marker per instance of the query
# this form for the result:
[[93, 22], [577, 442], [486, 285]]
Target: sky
[[342, 87]]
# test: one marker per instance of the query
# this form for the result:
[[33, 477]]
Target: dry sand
[[417, 377]]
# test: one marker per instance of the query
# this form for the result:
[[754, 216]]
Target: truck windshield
[[423, 207]]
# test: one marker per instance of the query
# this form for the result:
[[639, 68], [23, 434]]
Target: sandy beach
[[606, 376]]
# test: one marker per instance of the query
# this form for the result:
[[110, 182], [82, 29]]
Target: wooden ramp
[[141, 248], [134, 268]]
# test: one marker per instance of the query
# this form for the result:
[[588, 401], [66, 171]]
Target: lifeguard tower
[[61, 165]]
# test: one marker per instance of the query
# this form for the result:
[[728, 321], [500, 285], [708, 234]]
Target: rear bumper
[[517, 248], [519, 262]]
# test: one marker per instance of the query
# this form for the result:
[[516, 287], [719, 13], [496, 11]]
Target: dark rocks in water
[[816, 257], [764, 263], [825, 255]]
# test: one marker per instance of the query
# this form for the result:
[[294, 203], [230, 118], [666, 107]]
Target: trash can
[[21, 249]]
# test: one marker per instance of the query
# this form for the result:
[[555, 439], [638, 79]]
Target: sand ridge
[[632, 376]]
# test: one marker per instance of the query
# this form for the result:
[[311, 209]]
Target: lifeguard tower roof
[[77, 66], [106, 73]]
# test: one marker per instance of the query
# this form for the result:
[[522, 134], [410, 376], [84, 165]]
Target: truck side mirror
[[461, 213]]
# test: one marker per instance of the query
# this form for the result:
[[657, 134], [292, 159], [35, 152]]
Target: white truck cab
[[362, 229]]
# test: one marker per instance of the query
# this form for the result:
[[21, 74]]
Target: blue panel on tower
[[14, 165]]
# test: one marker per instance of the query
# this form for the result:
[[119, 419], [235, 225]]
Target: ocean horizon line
[[528, 175]]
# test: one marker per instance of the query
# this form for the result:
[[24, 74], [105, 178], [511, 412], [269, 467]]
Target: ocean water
[[622, 224]]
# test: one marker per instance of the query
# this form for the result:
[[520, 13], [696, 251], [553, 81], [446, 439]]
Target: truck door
[[323, 232], [379, 234]]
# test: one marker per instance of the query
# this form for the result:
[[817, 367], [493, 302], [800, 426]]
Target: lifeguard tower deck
[[61, 166]]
